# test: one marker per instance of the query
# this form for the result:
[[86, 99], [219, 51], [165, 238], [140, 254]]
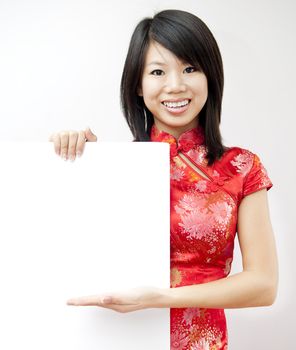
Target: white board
[[68, 229]]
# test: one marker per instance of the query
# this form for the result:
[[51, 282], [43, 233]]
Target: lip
[[176, 100], [176, 111]]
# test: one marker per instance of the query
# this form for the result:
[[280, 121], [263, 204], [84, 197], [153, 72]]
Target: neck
[[175, 131]]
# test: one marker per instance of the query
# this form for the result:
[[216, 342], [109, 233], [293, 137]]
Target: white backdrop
[[60, 68]]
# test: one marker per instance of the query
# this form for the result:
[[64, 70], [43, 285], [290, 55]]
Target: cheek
[[150, 88], [201, 88], [205, 86]]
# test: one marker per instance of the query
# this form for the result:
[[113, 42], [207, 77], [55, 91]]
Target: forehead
[[158, 54]]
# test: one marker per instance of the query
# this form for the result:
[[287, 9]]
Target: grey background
[[60, 68]]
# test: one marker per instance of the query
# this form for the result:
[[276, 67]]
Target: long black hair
[[188, 37]]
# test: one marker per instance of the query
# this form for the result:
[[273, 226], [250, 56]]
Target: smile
[[176, 104], [177, 107]]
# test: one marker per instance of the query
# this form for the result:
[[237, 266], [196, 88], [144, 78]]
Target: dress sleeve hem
[[268, 187]]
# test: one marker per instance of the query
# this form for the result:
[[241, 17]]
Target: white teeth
[[176, 104]]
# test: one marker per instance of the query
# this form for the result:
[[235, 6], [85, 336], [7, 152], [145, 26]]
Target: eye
[[156, 70], [190, 69]]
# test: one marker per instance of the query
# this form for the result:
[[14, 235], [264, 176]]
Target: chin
[[179, 122]]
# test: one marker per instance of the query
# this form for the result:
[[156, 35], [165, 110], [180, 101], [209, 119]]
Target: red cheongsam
[[203, 223]]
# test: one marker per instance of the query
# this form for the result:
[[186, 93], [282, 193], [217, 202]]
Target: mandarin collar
[[188, 140]]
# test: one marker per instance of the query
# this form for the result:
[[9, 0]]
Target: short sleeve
[[257, 178]]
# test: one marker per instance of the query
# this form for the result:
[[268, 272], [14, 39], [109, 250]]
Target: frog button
[[213, 186], [221, 181]]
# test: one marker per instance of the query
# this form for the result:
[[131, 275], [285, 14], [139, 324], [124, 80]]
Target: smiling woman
[[173, 57], [176, 96], [171, 91]]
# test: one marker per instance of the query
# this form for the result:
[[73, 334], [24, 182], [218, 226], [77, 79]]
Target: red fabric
[[203, 222]]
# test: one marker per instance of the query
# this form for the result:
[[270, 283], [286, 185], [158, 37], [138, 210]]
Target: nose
[[174, 83]]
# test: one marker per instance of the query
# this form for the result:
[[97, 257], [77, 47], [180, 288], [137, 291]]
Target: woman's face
[[173, 91]]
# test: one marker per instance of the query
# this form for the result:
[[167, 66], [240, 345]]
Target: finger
[[56, 143], [95, 300], [90, 136], [119, 299], [64, 136], [80, 143], [92, 300], [73, 136]]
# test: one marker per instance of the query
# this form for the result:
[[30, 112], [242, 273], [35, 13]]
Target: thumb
[[90, 136]]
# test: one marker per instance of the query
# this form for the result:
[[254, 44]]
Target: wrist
[[164, 298]]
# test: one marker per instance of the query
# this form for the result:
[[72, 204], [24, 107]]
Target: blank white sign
[[68, 229]]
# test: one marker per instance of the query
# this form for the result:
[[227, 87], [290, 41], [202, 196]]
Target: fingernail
[[78, 154], [64, 156], [72, 158]]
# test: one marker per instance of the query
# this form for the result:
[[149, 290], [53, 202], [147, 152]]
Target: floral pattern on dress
[[178, 341], [189, 314], [243, 162], [221, 211], [203, 221], [257, 177], [201, 186], [177, 173], [197, 223], [200, 218], [198, 155], [202, 344]]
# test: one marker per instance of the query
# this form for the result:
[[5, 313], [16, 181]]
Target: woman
[[171, 91]]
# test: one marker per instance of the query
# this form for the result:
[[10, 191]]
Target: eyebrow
[[157, 63]]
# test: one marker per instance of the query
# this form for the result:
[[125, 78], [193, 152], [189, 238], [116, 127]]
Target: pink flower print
[[189, 314], [198, 155], [202, 344], [201, 185], [197, 224], [178, 341], [243, 163], [215, 173], [177, 174], [221, 211], [191, 202], [212, 250], [179, 210], [187, 204]]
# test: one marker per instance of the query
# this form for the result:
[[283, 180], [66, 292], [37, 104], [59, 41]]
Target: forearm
[[245, 289]]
